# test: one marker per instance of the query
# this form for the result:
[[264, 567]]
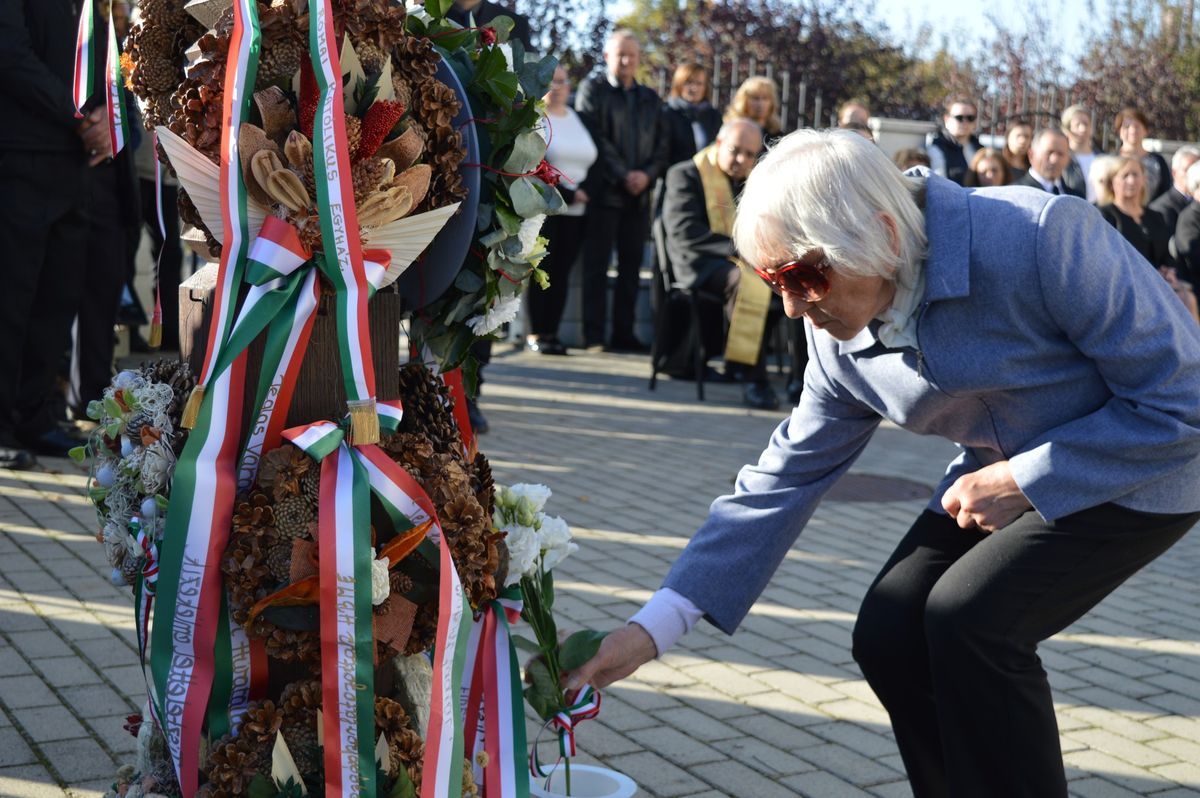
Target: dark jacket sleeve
[[25, 77], [690, 241], [659, 159], [1187, 243], [610, 167]]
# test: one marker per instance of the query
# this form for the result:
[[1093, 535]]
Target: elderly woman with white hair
[[1017, 324]]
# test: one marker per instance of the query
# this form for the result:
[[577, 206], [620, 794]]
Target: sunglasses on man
[[964, 117], [807, 281]]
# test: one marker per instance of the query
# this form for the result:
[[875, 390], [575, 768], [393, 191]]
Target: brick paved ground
[[777, 710]]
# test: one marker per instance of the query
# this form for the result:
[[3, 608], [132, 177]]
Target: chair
[[672, 296]]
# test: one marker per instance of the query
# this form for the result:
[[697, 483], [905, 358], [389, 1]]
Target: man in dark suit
[[45, 153], [1171, 202], [1187, 231], [625, 120], [1048, 158], [697, 204]]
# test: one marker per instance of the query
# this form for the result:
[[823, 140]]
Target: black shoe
[[479, 424], [629, 345], [794, 389], [54, 442], [15, 458], [760, 397], [546, 346]]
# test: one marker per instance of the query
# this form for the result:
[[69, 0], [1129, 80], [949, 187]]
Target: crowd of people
[[618, 149]]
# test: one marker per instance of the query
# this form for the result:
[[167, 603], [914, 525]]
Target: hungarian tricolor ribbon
[[191, 620], [84, 83], [143, 590], [156, 316], [114, 92], [343, 261], [584, 704], [494, 702]]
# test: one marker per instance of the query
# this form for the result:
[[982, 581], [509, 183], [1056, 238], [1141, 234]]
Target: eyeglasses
[[964, 117], [808, 281]]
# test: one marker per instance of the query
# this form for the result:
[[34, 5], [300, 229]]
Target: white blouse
[[571, 151]]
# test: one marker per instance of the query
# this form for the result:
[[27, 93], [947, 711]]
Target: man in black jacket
[[1048, 158], [625, 120], [1176, 198], [701, 254], [44, 157], [955, 144]]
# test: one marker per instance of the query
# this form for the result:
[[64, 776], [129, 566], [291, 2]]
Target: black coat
[[694, 249], [485, 12], [950, 159], [37, 66], [1031, 181], [679, 116], [1187, 243], [1169, 205], [1149, 238], [604, 109]]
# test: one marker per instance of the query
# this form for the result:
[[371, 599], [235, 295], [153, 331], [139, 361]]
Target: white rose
[[528, 233], [555, 541], [536, 495], [381, 586], [523, 550], [504, 311]]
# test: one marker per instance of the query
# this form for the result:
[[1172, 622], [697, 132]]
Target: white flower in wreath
[[504, 311], [528, 233], [530, 495], [555, 541], [158, 462], [523, 551], [381, 586]]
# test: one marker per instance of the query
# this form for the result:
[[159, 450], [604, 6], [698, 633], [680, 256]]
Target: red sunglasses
[[808, 281]]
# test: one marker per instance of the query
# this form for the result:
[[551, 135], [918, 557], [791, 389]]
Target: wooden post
[[784, 105], [802, 104], [817, 110]]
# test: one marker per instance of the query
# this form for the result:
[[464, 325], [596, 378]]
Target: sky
[[969, 19]]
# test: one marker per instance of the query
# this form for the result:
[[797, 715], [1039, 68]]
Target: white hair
[[730, 126], [831, 189], [617, 36], [1188, 152], [1193, 178]]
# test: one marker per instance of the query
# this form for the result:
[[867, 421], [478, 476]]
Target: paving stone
[[67, 671], [78, 760], [43, 724], [17, 692], [1126, 749], [846, 764], [28, 781], [738, 779], [823, 785], [13, 750], [12, 663], [111, 732], [656, 774], [94, 701], [35, 645], [698, 725], [1099, 788], [678, 747]]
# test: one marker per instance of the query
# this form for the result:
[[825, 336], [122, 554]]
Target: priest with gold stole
[[697, 217]]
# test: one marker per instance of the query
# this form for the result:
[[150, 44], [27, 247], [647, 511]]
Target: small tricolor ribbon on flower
[[83, 86], [584, 705]]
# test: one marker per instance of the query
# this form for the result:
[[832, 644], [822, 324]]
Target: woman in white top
[[1077, 125], [572, 152]]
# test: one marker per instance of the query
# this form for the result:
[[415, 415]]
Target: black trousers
[[723, 280], [43, 254], [564, 236], [108, 271], [947, 638], [170, 261], [628, 228]]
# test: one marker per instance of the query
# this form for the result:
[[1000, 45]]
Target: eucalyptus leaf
[[527, 200], [509, 221], [438, 8], [529, 148], [503, 87], [468, 281], [495, 238], [579, 648], [484, 218], [503, 26], [525, 644]]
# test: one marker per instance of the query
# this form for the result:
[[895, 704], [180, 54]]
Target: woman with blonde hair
[[691, 121], [1076, 123], [757, 99]]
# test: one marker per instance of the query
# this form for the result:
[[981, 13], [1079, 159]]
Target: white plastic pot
[[587, 781]]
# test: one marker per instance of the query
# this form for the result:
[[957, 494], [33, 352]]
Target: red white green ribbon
[[114, 91], [84, 84], [584, 705], [342, 263], [494, 702], [189, 622]]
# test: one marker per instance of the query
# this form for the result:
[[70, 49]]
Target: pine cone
[[372, 57], [404, 744], [254, 513], [280, 60], [279, 561], [292, 517], [485, 485], [369, 175], [415, 58], [282, 469], [378, 21], [310, 486], [153, 75], [353, 133]]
